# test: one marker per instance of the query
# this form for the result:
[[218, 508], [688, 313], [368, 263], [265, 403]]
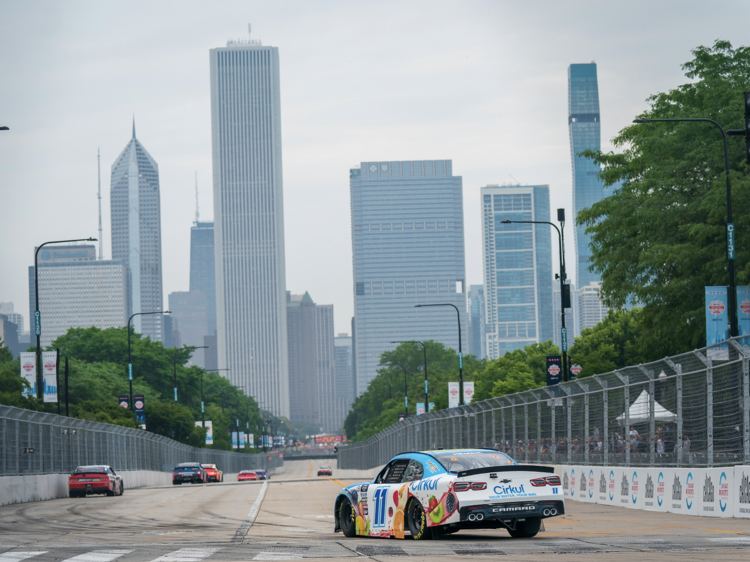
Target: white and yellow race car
[[440, 492]]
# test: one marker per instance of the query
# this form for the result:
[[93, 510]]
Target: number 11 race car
[[440, 492]]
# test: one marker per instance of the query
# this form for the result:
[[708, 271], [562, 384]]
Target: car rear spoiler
[[508, 468]]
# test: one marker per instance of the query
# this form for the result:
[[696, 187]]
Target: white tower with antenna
[[197, 211]]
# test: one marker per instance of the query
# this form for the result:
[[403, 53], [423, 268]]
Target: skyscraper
[[477, 336], [190, 310], [342, 345], [585, 133], [249, 221], [408, 246], [136, 233], [304, 385], [517, 267], [203, 268], [330, 414]]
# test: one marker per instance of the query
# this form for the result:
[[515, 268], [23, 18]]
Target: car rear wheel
[[416, 520], [346, 519], [74, 494], [122, 488], [526, 529]]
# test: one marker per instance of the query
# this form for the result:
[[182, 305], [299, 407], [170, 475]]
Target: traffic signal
[[747, 126]]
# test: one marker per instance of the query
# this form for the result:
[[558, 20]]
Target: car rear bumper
[[511, 510], [95, 488], [182, 479]]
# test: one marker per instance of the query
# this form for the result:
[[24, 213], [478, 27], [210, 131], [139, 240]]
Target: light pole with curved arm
[[130, 363], [203, 411], [424, 350], [460, 353], [38, 316], [174, 362]]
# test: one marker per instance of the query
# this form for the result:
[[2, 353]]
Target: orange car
[[213, 473], [246, 475]]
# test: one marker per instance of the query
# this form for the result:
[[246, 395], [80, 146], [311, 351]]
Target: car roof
[[189, 464]]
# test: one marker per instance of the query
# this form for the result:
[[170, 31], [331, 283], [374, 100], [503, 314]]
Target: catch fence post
[[585, 389], [502, 427], [651, 415], [513, 426], [605, 420], [745, 400], [538, 425], [626, 399]]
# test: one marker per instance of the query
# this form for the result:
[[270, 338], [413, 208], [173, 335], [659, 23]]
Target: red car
[[246, 475], [98, 479], [212, 473], [325, 471]]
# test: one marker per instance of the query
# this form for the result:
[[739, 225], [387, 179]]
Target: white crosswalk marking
[[187, 555], [17, 556], [286, 554], [98, 556]]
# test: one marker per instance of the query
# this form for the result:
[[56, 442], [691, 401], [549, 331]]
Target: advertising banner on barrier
[[582, 481], [600, 492], [715, 489], [565, 475], [613, 481], [575, 482], [28, 371], [717, 323], [648, 479], [741, 491], [468, 392], [49, 374], [453, 395], [743, 310], [591, 484], [635, 496], [622, 488]]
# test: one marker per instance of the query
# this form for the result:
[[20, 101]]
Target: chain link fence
[[686, 410], [39, 443]]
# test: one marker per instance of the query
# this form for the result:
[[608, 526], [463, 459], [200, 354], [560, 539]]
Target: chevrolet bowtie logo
[[505, 481]]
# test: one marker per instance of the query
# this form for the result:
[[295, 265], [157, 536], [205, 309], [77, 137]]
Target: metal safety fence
[[686, 410], [40, 443]]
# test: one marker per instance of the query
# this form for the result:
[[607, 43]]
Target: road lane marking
[[248, 522], [187, 555], [283, 553], [98, 556], [17, 556], [342, 483], [309, 474]]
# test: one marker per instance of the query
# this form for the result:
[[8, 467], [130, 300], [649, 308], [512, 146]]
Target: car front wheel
[[346, 519], [527, 528], [416, 520]]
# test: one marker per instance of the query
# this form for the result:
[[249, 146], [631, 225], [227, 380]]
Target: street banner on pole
[[140, 409], [743, 311], [251, 440], [432, 407], [554, 369], [28, 371], [234, 440], [717, 323], [453, 395], [242, 439], [124, 401], [209, 431], [420, 408], [468, 392], [49, 372]]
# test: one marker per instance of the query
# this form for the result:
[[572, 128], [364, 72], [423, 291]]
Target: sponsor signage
[[330, 438], [730, 241], [468, 392], [140, 408], [250, 440], [242, 440], [741, 491], [715, 490], [564, 338], [37, 323], [124, 401], [743, 311], [554, 369], [453, 395], [28, 371], [49, 374], [717, 323], [234, 440], [209, 431], [420, 408]]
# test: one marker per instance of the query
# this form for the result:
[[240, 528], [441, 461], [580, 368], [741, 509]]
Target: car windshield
[[186, 468], [455, 461], [247, 472], [211, 466], [87, 469]]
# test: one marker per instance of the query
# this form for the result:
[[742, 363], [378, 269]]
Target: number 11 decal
[[381, 495]]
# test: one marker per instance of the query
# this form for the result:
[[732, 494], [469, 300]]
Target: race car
[[98, 479], [189, 472], [440, 492], [262, 475], [213, 474], [325, 471], [245, 475]]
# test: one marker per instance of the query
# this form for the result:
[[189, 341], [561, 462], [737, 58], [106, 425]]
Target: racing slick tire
[[75, 494], [176, 483], [112, 492], [346, 519], [416, 521], [526, 529], [122, 488]]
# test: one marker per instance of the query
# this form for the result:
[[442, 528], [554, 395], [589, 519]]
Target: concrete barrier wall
[[38, 487], [707, 492]]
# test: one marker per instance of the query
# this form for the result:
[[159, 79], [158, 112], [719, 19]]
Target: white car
[[440, 492]]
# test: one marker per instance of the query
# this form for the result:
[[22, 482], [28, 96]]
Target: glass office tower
[[585, 133], [408, 246], [517, 267], [477, 337], [249, 221], [203, 268]]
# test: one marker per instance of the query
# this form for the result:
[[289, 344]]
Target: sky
[[483, 83]]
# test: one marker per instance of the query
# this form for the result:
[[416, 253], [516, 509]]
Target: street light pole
[[203, 411], [38, 316], [424, 350], [732, 296], [563, 276], [130, 362], [460, 353], [174, 363]]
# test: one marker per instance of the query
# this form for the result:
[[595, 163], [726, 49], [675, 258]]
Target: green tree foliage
[[403, 368], [104, 412], [175, 421], [660, 237]]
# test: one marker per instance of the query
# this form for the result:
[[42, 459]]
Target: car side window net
[[414, 471], [397, 472]]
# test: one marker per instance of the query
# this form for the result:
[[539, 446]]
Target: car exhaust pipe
[[546, 512], [553, 511], [472, 517], [480, 516]]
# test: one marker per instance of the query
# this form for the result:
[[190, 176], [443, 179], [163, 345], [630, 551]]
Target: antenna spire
[[197, 210], [99, 196], [133, 125]]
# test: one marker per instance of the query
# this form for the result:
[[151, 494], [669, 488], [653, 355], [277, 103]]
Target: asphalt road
[[291, 518]]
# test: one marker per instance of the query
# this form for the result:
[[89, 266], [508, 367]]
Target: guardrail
[[40, 443], [686, 410]]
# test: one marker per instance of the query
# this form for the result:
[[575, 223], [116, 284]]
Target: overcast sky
[[483, 83]]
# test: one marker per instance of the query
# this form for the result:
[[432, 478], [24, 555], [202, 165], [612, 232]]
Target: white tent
[[640, 411]]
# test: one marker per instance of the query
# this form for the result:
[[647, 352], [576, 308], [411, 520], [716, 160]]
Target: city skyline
[[337, 113]]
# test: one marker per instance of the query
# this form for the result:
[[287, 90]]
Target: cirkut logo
[[505, 490], [429, 484], [716, 307], [660, 488], [723, 491]]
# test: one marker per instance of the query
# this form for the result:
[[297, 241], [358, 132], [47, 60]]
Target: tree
[[660, 237], [174, 421]]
